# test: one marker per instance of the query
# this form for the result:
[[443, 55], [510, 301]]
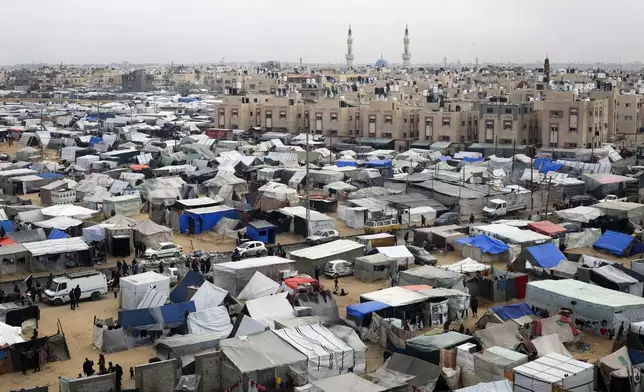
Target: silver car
[[322, 236], [337, 268]]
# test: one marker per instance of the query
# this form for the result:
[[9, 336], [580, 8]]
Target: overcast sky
[[191, 31]]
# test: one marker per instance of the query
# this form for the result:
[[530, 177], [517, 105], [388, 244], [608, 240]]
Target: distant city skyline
[[202, 31]]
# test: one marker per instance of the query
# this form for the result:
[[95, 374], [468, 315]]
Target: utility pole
[[514, 146], [307, 190]]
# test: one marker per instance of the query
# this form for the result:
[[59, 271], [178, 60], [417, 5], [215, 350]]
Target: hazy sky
[[186, 31]]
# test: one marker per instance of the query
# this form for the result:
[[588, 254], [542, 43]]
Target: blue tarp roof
[[363, 309], [486, 244], [57, 234], [614, 242], [378, 163], [546, 165], [51, 175], [546, 255], [445, 158], [180, 292], [472, 159], [176, 313], [136, 318], [511, 312], [95, 140], [167, 315], [346, 163]]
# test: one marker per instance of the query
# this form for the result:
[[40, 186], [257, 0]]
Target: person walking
[[316, 272], [72, 300], [110, 367], [471, 219], [474, 304], [87, 367], [119, 266], [119, 376], [101, 364], [422, 220], [336, 282], [406, 238], [77, 294]]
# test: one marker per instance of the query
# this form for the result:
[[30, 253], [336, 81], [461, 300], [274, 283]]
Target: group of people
[[88, 370], [139, 248], [74, 297]]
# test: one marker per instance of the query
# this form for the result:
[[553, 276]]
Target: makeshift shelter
[[373, 267], [68, 210], [59, 222], [261, 357], [348, 382], [152, 299], [545, 255], [594, 309], [581, 214], [151, 233], [349, 336], [494, 386], [402, 373], [119, 220], [429, 347], [327, 355], [127, 205], [214, 321], [619, 244], [562, 326], [199, 220], [466, 266], [234, 276], [303, 225], [360, 314], [614, 278], [432, 276], [135, 287], [504, 335], [553, 370], [547, 228], [481, 247], [261, 231], [518, 313], [183, 347], [108, 337], [156, 319], [308, 258], [610, 368], [497, 363], [209, 296], [400, 254], [267, 309], [258, 286]]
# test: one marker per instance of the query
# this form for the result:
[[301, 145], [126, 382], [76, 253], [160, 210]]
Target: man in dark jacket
[[119, 376], [77, 294]]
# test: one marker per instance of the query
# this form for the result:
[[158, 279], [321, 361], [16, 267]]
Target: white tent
[[134, 287], [151, 233], [267, 309], [210, 321], [259, 286], [581, 214], [69, 210], [59, 222], [208, 296], [495, 386], [152, 299], [466, 265], [400, 253]]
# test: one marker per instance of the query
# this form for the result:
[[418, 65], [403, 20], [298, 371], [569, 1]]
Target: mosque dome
[[382, 63]]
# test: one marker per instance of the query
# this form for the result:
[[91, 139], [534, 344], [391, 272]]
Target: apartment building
[[455, 122], [573, 124], [628, 115], [2, 77], [505, 123], [383, 119], [332, 117]]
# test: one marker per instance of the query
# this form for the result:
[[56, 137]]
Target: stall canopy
[[616, 243], [546, 228], [580, 214], [545, 255], [52, 247], [360, 310], [486, 244]]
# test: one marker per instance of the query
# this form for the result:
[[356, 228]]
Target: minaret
[[546, 70], [406, 56], [349, 56]]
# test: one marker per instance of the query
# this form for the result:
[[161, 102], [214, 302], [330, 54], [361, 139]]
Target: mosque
[[381, 62]]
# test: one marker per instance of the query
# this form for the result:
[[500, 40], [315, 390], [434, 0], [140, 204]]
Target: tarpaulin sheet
[[57, 234], [614, 242], [545, 165], [363, 309], [180, 292], [546, 255], [176, 313], [486, 244], [214, 321], [512, 312], [136, 318]]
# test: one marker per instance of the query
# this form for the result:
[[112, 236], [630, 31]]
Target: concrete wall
[[156, 377], [208, 366], [103, 383]]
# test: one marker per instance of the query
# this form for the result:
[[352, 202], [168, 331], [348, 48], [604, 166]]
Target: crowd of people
[[88, 370]]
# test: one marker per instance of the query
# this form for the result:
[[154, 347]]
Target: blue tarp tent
[[359, 311], [486, 244], [95, 140], [545, 255], [378, 164], [472, 159], [57, 234], [51, 175], [180, 292], [616, 243], [171, 316], [546, 165], [512, 312], [203, 219], [445, 158], [136, 318], [346, 163], [174, 314]]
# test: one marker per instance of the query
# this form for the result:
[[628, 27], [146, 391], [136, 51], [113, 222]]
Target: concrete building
[[456, 122], [137, 80], [504, 123], [573, 124]]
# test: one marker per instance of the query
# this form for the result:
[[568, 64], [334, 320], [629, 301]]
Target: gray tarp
[[432, 276], [503, 335], [401, 370]]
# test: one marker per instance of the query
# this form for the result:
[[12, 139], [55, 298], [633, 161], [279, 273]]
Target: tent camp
[[496, 363], [432, 276], [308, 258], [327, 355], [234, 276], [259, 357], [545, 255], [616, 278], [400, 253], [619, 244], [429, 347], [403, 373], [213, 321], [258, 286], [151, 233], [350, 337], [595, 309], [267, 309], [482, 247], [373, 267], [581, 214]]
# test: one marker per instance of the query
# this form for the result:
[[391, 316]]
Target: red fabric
[[521, 282], [7, 241], [298, 280]]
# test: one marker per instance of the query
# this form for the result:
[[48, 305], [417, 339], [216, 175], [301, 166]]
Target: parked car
[[165, 249], [421, 256], [582, 200], [93, 284], [381, 225], [337, 268], [252, 248], [322, 236], [448, 218]]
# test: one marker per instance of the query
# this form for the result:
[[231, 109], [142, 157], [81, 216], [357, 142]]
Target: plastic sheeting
[[208, 296], [486, 244], [259, 286], [94, 233], [432, 276], [360, 310], [152, 299], [267, 309], [134, 288], [467, 265], [545, 255], [494, 386], [584, 239], [513, 312], [616, 243], [213, 321], [581, 214]]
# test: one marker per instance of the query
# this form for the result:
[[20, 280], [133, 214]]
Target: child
[[131, 373]]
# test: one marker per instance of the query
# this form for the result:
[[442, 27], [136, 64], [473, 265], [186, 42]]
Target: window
[[554, 134], [299, 115], [628, 118], [507, 125], [554, 114], [462, 123], [386, 134], [443, 138], [405, 121], [572, 129], [590, 129], [570, 145], [62, 286], [251, 113], [446, 121], [269, 115], [388, 120], [350, 118], [489, 111], [334, 116], [251, 86], [234, 113], [508, 110], [282, 115], [628, 105]]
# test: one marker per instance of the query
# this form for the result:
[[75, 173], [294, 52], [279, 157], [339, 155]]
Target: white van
[[93, 284]]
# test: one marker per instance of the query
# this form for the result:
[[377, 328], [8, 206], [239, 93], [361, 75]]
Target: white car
[[165, 249], [322, 236], [252, 248], [93, 285], [337, 268]]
